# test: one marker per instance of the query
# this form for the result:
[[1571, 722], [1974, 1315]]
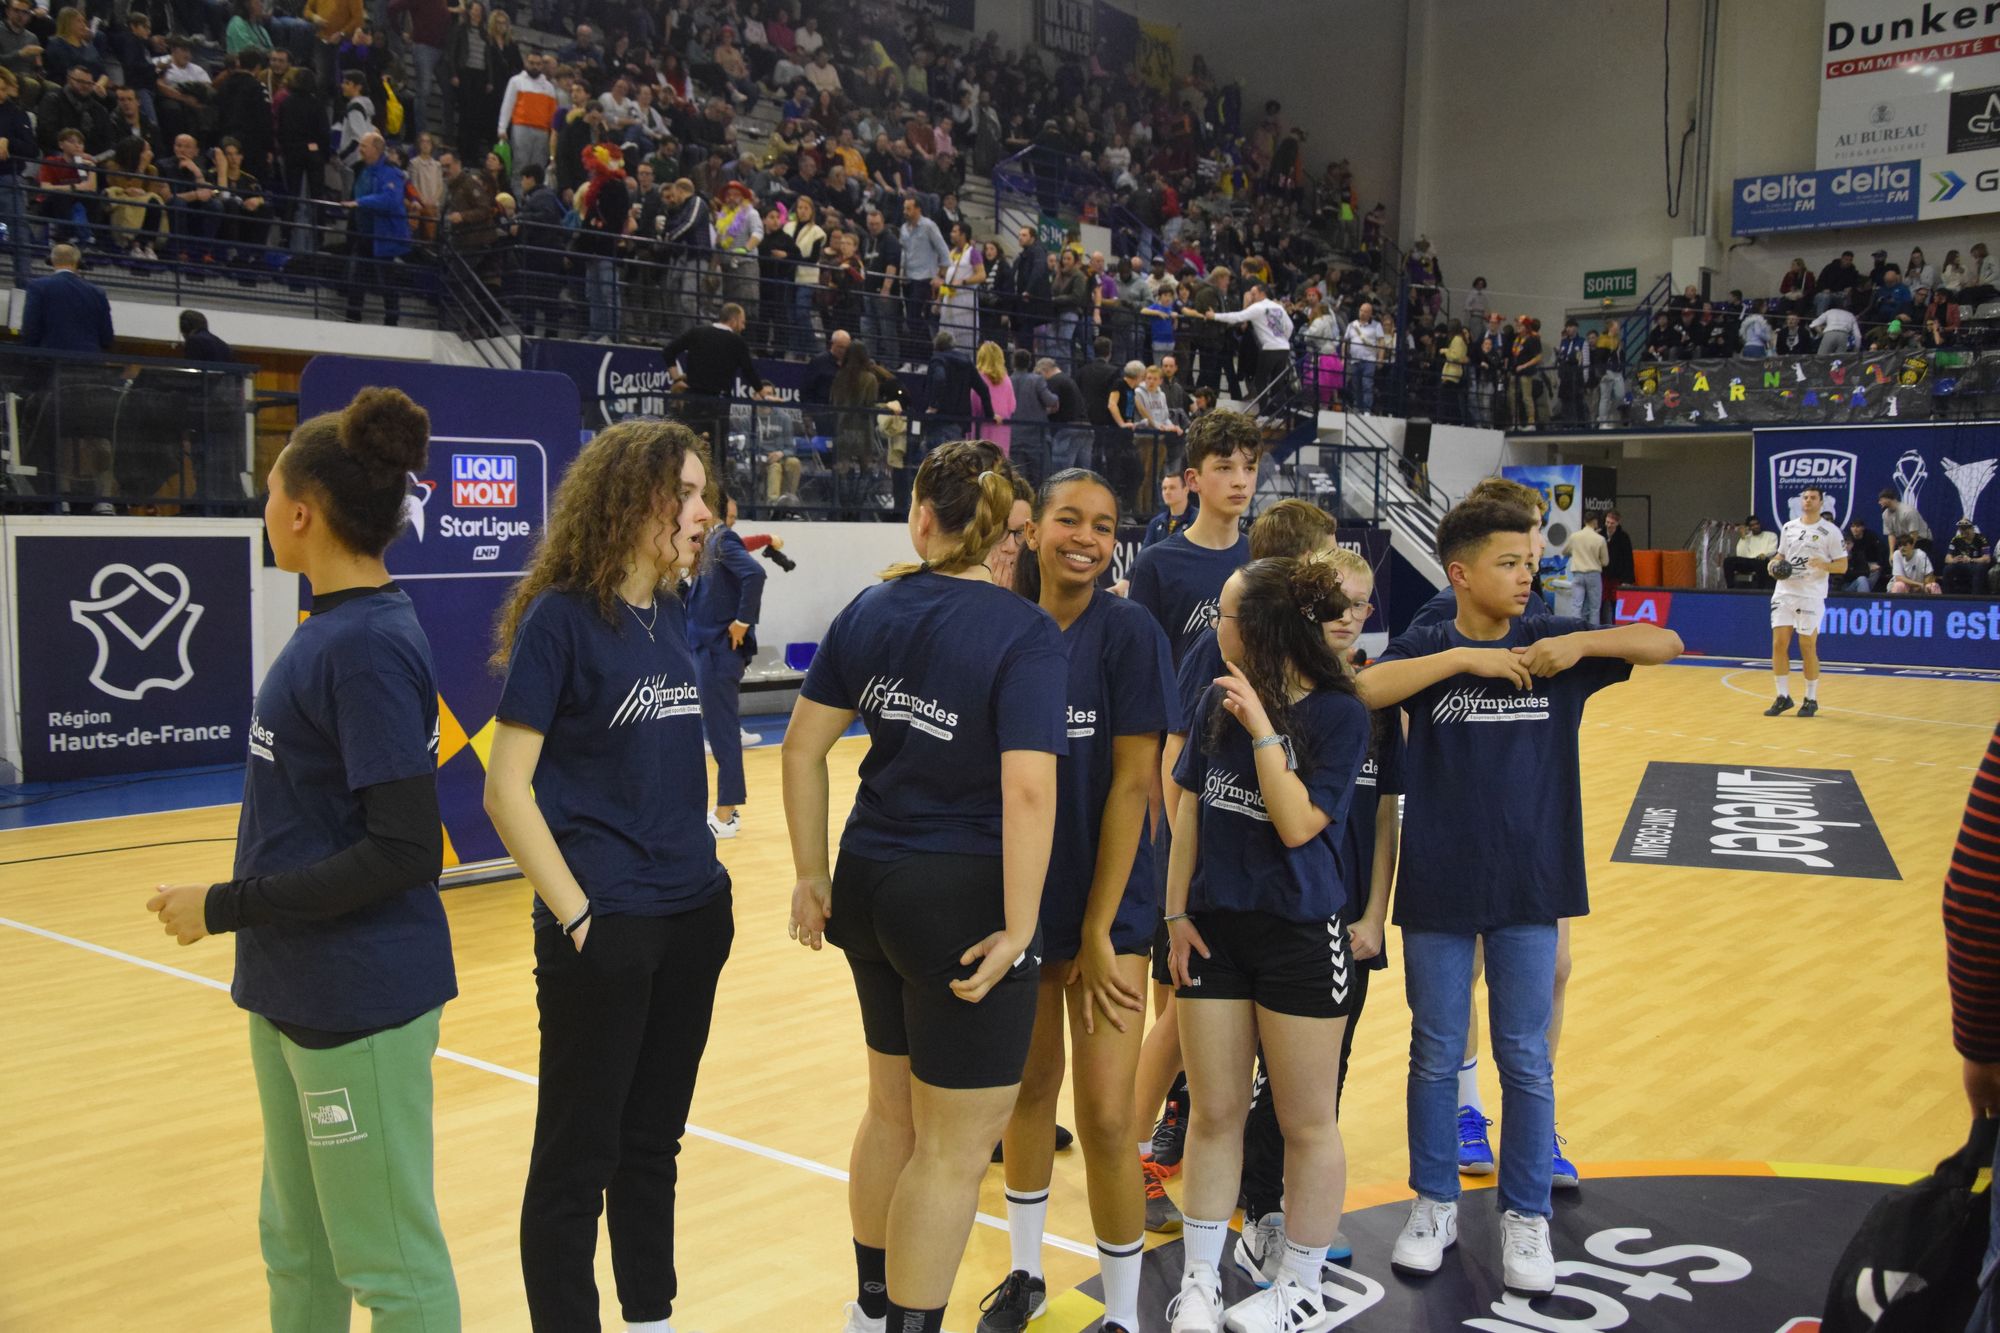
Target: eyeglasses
[[1361, 610], [1016, 535]]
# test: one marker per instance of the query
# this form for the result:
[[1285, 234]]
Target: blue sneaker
[[1341, 1251], [1475, 1150], [1563, 1176]]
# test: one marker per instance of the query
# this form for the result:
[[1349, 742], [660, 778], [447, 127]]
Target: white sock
[[1784, 686], [651, 1326], [1303, 1264], [1145, 1147], [1120, 1266], [1201, 1242], [1027, 1217], [1468, 1085], [1812, 688]]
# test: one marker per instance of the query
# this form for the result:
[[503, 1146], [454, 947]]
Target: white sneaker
[[858, 1322], [1198, 1308], [725, 828], [1260, 1250], [1283, 1307], [1431, 1230], [1527, 1264], [748, 737]]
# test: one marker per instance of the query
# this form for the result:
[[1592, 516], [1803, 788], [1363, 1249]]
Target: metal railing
[[145, 434]]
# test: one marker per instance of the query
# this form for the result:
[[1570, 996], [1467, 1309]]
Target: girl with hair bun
[[1255, 911], [935, 900], [343, 956], [597, 786]]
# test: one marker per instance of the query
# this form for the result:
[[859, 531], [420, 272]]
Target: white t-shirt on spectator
[[1267, 319], [1914, 566], [1366, 341], [188, 73], [621, 112], [807, 41]]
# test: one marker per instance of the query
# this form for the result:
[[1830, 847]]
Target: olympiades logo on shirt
[[1366, 777], [1082, 722], [889, 701], [1469, 703], [654, 697], [1225, 791], [485, 481]]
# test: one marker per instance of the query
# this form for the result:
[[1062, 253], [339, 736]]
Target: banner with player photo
[[1944, 470], [1815, 390], [499, 443]]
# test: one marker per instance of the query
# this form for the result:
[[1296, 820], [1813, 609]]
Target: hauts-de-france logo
[[142, 621]]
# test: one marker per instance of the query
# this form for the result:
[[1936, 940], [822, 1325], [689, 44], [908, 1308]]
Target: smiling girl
[[1099, 906]]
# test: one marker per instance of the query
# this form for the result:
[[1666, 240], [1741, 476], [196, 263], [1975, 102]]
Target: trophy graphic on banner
[[1909, 474], [1971, 480]]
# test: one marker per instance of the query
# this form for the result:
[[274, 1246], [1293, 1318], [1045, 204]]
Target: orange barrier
[[1677, 569], [1646, 568]]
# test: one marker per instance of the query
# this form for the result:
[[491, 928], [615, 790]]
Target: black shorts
[[903, 926], [1301, 968], [1163, 944]]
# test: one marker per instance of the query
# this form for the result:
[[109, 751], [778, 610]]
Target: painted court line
[[487, 1066], [1729, 683]]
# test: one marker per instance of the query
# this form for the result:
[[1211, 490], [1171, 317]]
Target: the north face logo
[[142, 622], [331, 1115]]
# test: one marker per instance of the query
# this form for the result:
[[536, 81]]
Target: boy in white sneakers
[[1492, 854]]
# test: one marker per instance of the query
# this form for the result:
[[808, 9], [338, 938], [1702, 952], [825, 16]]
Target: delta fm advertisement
[[499, 443]]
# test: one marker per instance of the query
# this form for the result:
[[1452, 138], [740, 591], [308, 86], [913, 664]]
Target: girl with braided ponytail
[[935, 900], [1255, 910]]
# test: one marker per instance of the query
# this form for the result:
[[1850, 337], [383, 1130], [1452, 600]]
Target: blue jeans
[[1586, 595], [428, 58], [1072, 448], [600, 287], [1520, 989], [1362, 375]]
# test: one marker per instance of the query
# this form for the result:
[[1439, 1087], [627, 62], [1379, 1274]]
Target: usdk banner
[[1889, 70], [1944, 472]]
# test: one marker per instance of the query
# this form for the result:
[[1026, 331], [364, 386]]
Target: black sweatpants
[[623, 1025], [1264, 1142]]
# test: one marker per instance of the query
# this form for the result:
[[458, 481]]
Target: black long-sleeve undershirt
[[403, 850]]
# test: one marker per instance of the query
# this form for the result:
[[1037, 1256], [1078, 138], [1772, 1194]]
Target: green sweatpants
[[349, 1213]]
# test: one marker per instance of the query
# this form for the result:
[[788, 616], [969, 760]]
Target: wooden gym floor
[[1714, 1017]]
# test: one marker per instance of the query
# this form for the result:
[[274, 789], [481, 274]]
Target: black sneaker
[[1781, 704], [1064, 1142], [1809, 708], [1170, 1137], [1009, 1307]]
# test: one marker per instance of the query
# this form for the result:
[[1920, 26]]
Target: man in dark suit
[[1031, 289], [723, 607], [198, 344], [64, 313], [953, 380]]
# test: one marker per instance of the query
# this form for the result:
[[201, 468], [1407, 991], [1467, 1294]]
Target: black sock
[[1178, 1093], [871, 1267], [902, 1319]]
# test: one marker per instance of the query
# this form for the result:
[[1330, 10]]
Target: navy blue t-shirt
[[1442, 609], [946, 674], [620, 780], [1380, 779], [1181, 584], [1200, 666], [1241, 864], [1493, 827], [1165, 523], [350, 703], [1120, 684]]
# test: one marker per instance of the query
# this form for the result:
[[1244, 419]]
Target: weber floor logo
[[142, 621], [1801, 821]]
